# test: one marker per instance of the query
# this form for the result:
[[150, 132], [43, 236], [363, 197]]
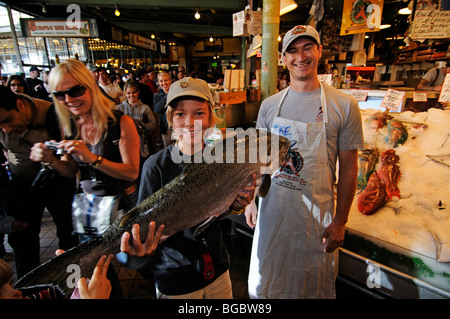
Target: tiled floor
[[134, 285]]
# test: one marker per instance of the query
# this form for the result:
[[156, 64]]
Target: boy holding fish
[[186, 265]]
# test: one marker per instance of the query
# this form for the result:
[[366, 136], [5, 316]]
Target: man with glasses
[[25, 121]]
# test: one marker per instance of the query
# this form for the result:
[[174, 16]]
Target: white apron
[[288, 258]]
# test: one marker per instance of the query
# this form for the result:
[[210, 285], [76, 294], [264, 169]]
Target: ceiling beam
[[202, 4], [176, 28]]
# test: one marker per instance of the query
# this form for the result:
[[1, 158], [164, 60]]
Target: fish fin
[[264, 187], [204, 225], [128, 216]]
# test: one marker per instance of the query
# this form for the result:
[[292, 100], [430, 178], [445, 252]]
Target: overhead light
[[117, 12], [405, 11], [385, 26], [197, 14], [152, 36], [211, 39], [44, 8], [287, 6]]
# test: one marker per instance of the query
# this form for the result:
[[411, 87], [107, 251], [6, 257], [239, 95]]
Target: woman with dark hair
[[17, 84]]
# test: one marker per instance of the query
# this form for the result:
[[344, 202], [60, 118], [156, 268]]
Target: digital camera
[[54, 147]]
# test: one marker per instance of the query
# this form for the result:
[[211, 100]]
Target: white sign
[[445, 92], [360, 95], [431, 24], [325, 78], [50, 28], [419, 96], [238, 24], [393, 99]]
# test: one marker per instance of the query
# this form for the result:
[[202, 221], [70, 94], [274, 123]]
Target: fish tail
[[63, 271]]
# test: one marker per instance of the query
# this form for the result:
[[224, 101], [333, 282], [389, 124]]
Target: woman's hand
[[141, 249], [79, 149], [99, 286]]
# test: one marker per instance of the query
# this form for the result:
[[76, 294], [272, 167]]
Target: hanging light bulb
[[287, 6], [117, 12], [405, 11], [211, 39], [197, 14]]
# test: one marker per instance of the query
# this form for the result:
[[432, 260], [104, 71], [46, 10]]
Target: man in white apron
[[297, 229]]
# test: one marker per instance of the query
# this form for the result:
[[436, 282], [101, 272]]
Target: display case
[[405, 236]]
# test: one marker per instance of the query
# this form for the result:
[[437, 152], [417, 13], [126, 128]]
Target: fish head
[[272, 149], [254, 148]]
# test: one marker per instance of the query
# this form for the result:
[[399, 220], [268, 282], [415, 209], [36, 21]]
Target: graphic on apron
[[288, 175], [293, 164]]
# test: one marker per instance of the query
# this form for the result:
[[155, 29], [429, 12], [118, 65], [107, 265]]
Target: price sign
[[445, 92], [392, 100], [325, 78], [360, 95], [419, 96]]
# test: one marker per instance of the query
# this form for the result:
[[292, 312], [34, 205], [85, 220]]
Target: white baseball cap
[[189, 87], [298, 32]]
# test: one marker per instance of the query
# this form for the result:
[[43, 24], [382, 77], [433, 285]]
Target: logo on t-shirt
[[319, 116]]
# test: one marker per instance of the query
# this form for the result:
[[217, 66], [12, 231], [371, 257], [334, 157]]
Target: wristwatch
[[98, 162], [236, 212]]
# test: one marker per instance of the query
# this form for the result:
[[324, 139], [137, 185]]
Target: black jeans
[[27, 204]]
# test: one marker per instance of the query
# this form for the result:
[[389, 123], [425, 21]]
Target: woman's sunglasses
[[75, 91]]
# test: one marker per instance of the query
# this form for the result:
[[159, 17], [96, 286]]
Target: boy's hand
[[245, 196], [141, 249]]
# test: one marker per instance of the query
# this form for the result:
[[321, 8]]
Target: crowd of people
[[105, 134], [92, 118]]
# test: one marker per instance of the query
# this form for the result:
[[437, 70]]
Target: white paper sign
[[393, 99], [325, 78], [431, 24], [360, 95], [445, 92], [419, 96], [238, 23]]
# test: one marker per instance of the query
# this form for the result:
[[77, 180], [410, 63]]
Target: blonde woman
[[100, 142]]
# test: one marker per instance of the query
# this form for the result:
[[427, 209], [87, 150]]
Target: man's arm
[[423, 86], [334, 234]]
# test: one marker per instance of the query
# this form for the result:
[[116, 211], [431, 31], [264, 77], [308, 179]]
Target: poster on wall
[[360, 16]]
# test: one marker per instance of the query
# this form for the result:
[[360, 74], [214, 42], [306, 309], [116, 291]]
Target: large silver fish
[[205, 189]]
